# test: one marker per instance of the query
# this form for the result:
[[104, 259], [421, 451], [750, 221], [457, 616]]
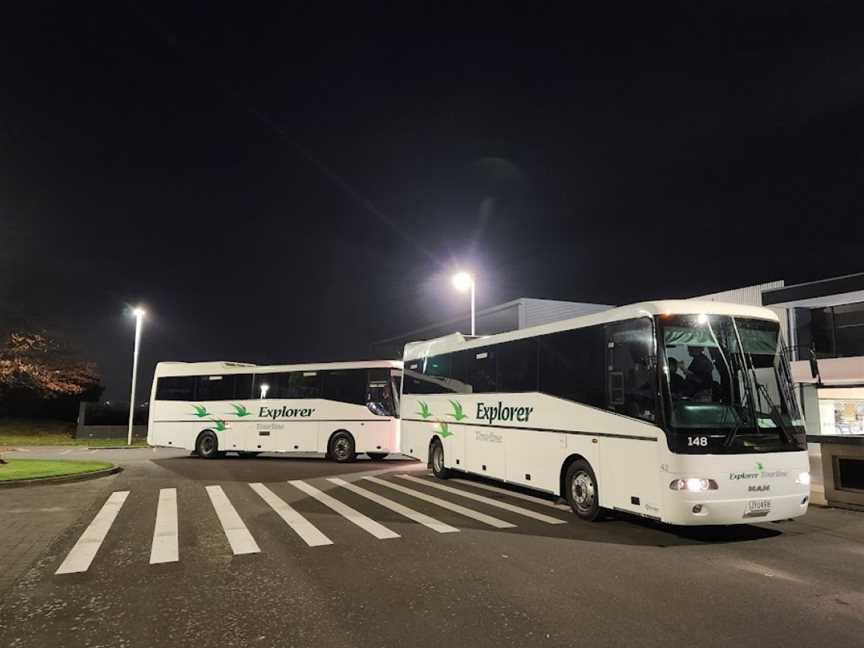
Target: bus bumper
[[696, 510]]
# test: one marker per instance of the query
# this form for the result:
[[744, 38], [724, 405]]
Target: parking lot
[[284, 551]]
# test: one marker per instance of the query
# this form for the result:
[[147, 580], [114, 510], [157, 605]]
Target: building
[[829, 315]]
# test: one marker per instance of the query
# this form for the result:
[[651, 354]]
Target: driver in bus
[[699, 373]]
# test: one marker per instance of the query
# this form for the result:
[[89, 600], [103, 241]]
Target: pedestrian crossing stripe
[[165, 547], [548, 519]]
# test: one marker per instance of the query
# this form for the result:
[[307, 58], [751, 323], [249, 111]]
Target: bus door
[[630, 467]]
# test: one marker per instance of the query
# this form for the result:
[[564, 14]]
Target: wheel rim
[[207, 445], [341, 448], [438, 458], [583, 491]]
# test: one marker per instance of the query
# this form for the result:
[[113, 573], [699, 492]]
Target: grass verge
[[17, 432], [39, 468]]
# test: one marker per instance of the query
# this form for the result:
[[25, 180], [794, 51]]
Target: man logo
[[761, 488]]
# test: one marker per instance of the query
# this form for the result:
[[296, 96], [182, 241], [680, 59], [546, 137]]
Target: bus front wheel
[[342, 447], [436, 458], [580, 490], [207, 445]]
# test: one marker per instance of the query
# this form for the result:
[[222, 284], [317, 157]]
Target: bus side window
[[631, 371], [304, 384]]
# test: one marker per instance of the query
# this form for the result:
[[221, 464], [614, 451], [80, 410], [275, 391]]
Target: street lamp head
[[462, 281], [139, 312]]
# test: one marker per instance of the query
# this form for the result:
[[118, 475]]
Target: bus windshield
[[728, 387]]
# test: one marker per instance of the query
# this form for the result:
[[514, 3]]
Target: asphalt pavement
[[274, 553]]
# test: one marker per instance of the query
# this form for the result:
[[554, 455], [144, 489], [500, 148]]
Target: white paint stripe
[[548, 519], [475, 515], [88, 544], [238, 535], [367, 524], [65, 452], [23, 450], [166, 542], [411, 514], [301, 526], [508, 493]]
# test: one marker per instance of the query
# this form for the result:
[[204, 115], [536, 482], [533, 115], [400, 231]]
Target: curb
[[62, 479]]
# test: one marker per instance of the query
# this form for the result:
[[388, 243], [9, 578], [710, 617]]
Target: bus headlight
[[693, 485], [803, 478]]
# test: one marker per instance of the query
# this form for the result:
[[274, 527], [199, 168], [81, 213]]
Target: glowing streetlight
[[139, 317], [463, 281]]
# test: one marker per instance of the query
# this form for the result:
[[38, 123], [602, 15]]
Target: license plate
[[757, 508]]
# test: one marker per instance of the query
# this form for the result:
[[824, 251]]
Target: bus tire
[[342, 447], [436, 459], [581, 492], [207, 445], [376, 456]]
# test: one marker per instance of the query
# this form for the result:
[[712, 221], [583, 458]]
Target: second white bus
[[340, 409]]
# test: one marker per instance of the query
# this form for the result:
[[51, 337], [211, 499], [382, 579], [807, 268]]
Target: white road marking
[[522, 496], [23, 450], [78, 560], [411, 514], [65, 452], [476, 515], [367, 524], [486, 500], [301, 526], [166, 545], [238, 535]]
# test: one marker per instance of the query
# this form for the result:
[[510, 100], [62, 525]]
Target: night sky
[[290, 184]]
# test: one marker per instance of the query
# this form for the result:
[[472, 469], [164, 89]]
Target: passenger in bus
[[676, 380], [699, 378]]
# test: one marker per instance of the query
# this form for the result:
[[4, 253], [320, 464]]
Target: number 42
[[697, 441]]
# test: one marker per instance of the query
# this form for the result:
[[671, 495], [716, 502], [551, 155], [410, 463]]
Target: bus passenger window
[[631, 369]]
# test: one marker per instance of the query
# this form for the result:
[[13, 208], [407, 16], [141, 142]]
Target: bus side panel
[[415, 439], [485, 450], [534, 458], [630, 481], [377, 436]]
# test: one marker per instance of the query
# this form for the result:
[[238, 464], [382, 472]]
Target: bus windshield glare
[[728, 386]]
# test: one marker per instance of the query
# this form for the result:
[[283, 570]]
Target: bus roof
[[454, 341], [223, 367]]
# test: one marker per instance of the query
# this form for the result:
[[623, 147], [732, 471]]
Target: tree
[[42, 375]]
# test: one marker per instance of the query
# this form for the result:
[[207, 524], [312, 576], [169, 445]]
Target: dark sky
[[291, 183]]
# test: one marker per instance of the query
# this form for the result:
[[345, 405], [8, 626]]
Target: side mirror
[[814, 364]]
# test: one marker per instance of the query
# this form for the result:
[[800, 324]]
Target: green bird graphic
[[220, 424], [240, 410], [424, 410], [759, 466], [200, 411], [444, 429], [458, 414]]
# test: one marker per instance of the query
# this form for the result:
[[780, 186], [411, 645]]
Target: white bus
[[680, 411], [340, 409]]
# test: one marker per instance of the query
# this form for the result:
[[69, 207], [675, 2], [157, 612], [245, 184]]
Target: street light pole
[[463, 281], [472, 307], [139, 316]]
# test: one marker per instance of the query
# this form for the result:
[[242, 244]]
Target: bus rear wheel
[[580, 490], [342, 448], [376, 456], [207, 445], [436, 458]]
